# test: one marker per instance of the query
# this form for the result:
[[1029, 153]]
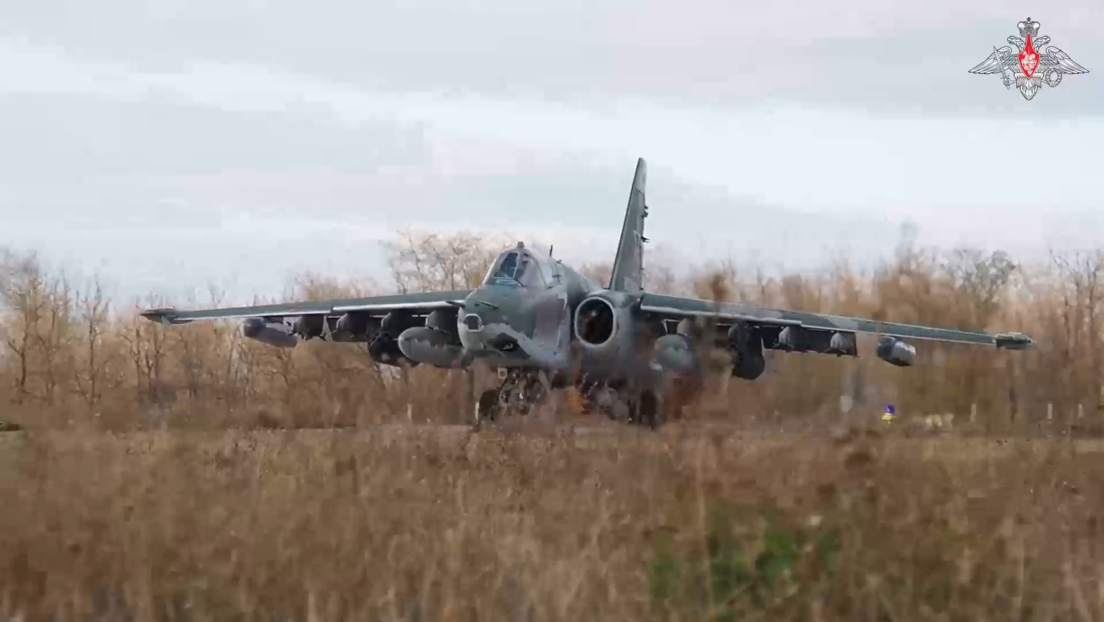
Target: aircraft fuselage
[[523, 325]]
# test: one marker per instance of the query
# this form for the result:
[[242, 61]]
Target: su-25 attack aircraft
[[544, 325]]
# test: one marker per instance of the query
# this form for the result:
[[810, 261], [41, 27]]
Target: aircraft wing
[[675, 308], [375, 305]]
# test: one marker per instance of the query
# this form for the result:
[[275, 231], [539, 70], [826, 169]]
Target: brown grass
[[167, 474], [447, 525]]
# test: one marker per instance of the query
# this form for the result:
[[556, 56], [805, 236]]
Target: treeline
[[72, 357]]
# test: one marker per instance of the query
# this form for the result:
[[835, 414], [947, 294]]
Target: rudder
[[628, 264]]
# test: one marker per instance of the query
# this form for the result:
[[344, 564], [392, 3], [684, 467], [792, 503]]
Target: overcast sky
[[172, 144]]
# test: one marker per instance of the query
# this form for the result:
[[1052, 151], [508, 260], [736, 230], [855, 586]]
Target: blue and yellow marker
[[890, 414]]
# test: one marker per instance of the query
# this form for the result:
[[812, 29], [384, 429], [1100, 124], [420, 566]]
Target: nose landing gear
[[520, 392]]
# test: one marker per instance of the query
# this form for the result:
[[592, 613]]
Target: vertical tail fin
[[628, 265]]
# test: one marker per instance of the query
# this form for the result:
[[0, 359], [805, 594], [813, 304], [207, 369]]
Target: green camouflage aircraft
[[544, 326]]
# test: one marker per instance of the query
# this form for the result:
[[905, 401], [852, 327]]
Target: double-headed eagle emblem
[[1024, 67]]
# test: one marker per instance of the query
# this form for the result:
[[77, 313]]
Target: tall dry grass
[[393, 525]]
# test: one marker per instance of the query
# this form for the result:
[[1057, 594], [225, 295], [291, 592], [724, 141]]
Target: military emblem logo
[[1021, 65]]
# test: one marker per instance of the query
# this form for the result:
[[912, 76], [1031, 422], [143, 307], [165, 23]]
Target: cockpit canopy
[[519, 267]]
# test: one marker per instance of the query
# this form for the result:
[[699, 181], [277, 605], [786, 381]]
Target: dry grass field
[[619, 524], [188, 473]]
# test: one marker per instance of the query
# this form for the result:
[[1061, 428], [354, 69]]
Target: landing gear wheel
[[650, 410], [486, 407]]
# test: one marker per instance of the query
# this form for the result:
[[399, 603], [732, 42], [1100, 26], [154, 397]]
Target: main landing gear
[[620, 402], [521, 391]]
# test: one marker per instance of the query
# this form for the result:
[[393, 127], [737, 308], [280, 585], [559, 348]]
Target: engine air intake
[[595, 322]]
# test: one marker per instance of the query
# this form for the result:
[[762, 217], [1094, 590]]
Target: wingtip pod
[[1013, 341]]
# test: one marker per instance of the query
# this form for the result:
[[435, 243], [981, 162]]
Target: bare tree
[[981, 281], [22, 294], [978, 283], [1081, 275], [597, 272], [423, 261], [145, 344], [94, 322], [132, 336], [55, 334], [315, 286]]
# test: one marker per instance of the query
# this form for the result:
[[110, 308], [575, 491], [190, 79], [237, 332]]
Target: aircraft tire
[[650, 409], [486, 407]]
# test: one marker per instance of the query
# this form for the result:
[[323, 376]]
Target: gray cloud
[[872, 55], [167, 197], [177, 143]]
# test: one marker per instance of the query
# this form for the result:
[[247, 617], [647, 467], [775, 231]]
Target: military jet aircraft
[[544, 325]]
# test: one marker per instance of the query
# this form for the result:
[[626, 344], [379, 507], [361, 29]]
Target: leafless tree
[[22, 294], [55, 334], [94, 323], [422, 261], [1081, 290], [598, 272]]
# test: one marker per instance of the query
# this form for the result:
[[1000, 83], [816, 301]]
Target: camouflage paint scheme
[[534, 314]]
